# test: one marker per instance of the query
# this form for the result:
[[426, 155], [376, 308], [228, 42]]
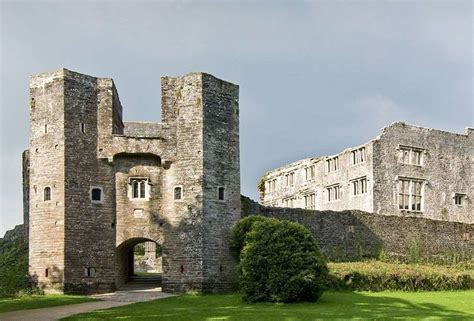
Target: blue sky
[[315, 77]]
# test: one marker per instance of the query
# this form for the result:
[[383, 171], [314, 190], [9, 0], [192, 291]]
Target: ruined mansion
[[406, 170], [95, 186]]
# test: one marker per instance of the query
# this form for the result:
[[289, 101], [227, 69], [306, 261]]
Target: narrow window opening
[[47, 193], [181, 268], [178, 193], [458, 199], [89, 271], [466, 236], [46, 273], [83, 128], [45, 129], [221, 193], [96, 194], [221, 269]]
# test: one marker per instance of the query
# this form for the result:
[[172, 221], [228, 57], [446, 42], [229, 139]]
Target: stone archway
[[127, 268]]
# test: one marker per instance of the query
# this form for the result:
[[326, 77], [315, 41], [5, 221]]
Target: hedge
[[379, 276], [14, 277]]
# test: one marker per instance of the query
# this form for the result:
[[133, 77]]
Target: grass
[[39, 301], [332, 305]]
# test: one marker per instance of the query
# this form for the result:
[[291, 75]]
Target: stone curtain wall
[[350, 235]]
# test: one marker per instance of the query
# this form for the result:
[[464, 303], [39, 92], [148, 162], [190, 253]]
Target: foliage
[[139, 249], [39, 301], [380, 276], [281, 262], [241, 229], [456, 305], [14, 278]]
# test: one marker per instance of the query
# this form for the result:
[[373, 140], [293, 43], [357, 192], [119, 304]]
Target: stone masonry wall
[[349, 235], [47, 161], [446, 169], [302, 186], [221, 170]]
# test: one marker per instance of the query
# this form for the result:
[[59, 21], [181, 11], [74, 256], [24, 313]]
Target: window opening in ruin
[[466, 236], [46, 273], [178, 193], [290, 202], [96, 194], [358, 155], [459, 198], [45, 129], [359, 186], [139, 187], [221, 193], [310, 172], [290, 179], [310, 201], [181, 268], [334, 193], [332, 164], [83, 128], [411, 155], [47, 193], [410, 194], [221, 268], [271, 185]]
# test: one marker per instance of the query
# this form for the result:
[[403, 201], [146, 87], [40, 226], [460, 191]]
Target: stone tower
[[97, 186]]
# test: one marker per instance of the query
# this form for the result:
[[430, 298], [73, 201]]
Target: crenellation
[[91, 158]]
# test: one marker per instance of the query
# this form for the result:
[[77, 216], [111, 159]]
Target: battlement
[[84, 167]]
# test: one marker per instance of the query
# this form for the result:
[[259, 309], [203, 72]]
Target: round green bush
[[241, 229], [281, 262]]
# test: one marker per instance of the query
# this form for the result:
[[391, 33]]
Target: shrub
[[241, 229], [280, 262], [14, 269], [379, 276]]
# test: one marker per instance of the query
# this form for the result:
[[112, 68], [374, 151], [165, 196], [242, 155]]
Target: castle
[[95, 186], [406, 171]]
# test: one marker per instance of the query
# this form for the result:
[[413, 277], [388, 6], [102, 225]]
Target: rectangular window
[[96, 194], [310, 172], [178, 193], [221, 193], [359, 186], [89, 271], [139, 188], [290, 179], [332, 164], [289, 202], [411, 155], [334, 193], [271, 185], [410, 194], [459, 198], [310, 201], [358, 155]]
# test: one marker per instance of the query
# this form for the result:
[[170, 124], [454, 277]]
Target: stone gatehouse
[[406, 170], [95, 185]]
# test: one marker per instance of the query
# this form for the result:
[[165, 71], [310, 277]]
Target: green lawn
[[333, 305], [39, 301]]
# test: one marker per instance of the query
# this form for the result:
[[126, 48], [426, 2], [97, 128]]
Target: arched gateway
[[115, 184]]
